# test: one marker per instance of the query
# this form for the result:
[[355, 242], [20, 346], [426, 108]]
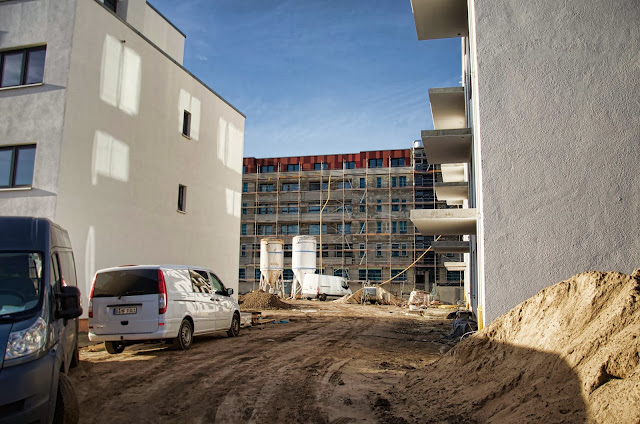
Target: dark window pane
[[12, 69], [35, 67], [25, 161], [5, 167], [133, 282], [111, 4]]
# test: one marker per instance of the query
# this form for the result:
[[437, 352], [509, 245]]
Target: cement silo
[[272, 265], [303, 261]]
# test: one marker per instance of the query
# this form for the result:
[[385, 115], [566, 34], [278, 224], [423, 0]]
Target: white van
[[324, 286], [133, 304]]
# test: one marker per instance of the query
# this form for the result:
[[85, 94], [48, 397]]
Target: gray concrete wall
[[35, 114], [558, 85], [124, 155]]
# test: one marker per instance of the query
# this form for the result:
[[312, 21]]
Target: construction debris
[[381, 296], [569, 354], [257, 300]]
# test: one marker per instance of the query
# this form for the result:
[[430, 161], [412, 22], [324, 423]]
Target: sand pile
[[261, 300], [383, 297], [569, 354]]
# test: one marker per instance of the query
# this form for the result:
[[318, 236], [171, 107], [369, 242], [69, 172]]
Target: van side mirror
[[229, 292], [69, 301]]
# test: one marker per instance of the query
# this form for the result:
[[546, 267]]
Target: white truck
[[315, 286]]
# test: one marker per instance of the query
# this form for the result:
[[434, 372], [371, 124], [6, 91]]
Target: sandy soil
[[331, 363]]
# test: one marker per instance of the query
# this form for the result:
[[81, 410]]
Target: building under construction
[[357, 206]]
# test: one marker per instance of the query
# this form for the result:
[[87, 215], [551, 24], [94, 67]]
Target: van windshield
[[20, 281], [126, 282]]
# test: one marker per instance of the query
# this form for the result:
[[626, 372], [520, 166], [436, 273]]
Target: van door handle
[[215, 299]]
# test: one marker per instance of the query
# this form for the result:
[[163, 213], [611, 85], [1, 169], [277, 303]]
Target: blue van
[[39, 304]]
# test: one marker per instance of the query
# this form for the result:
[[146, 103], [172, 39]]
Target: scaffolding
[[365, 229]]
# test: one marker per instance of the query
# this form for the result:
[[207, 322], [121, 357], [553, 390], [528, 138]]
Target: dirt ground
[[330, 363]]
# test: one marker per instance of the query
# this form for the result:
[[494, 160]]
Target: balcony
[[452, 193], [445, 221], [448, 108], [440, 18], [454, 172], [456, 266], [449, 246], [447, 146]]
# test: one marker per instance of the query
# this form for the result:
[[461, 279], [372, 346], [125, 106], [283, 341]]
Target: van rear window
[[131, 282]]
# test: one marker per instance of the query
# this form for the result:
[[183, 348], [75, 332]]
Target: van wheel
[[67, 410], [234, 330], [185, 336], [322, 297], [114, 347]]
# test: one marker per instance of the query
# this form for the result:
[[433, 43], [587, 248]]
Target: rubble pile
[[569, 354], [257, 300]]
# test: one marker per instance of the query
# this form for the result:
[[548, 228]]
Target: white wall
[[163, 34], [557, 88], [34, 115], [123, 157]]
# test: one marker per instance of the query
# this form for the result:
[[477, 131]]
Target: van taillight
[[162, 293], [93, 286]]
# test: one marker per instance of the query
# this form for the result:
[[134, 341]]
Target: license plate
[[125, 311]]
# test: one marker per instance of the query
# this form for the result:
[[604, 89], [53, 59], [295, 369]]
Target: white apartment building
[[543, 137], [105, 132]]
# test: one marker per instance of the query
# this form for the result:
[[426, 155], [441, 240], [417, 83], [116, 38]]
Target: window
[[16, 165], [379, 182], [314, 229], [325, 252], [242, 274], [290, 187], [243, 250], [363, 228], [363, 183], [455, 276], [403, 227], [111, 5], [290, 208], [349, 165], [393, 227], [404, 204], [256, 273], [245, 187], [22, 67], [200, 282], [378, 227], [344, 184], [397, 162], [293, 167], [402, 277], [375, 163], [266, 210], [362, 250], [291, 230], [186, 124], [370, 274], [288, 250], [379, 205], [266, 187], [402, 181], [266, 168], [394, 206], [314, 209], [395, 247], [287, 274], [265, 230], [244, 169], [403, 249], [243, 230], [346, 229], [319, 166], [394, 182], [379, 250], [182, 198], [316, 186], [244, 209]]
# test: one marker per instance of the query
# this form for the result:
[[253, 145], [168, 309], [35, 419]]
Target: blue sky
[[317, 76]]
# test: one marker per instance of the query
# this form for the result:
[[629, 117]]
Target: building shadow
[[484, 381]]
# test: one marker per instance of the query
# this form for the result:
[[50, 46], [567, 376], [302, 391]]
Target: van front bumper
[[164, 332], [26, 391]]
